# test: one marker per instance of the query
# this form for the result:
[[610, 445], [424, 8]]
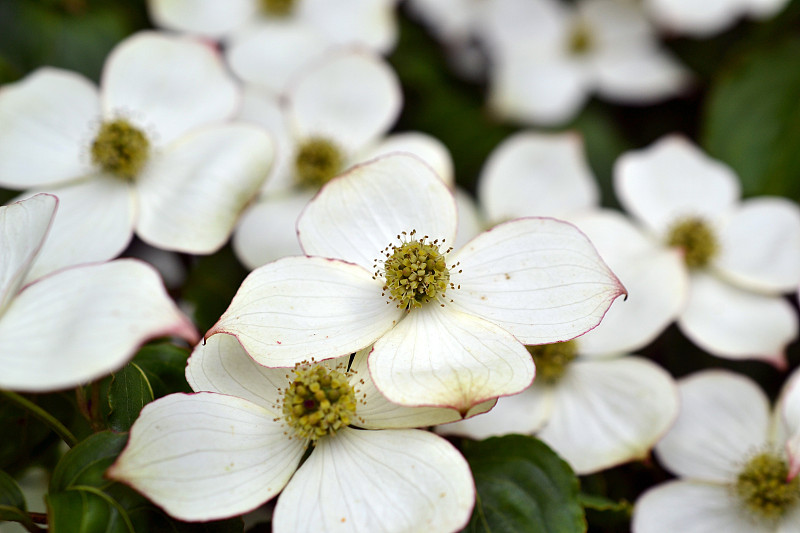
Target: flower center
[[694, 236], [120, 149], [551, 360], [277, 8], [415, 271], [319, 402], [317, 161], [763, 488], [580, 39]]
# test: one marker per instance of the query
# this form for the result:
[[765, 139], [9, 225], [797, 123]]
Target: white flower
[[224, 452], [740, 255], [80, 323], [147, 151], [727, 452], [446, 334], [704, 19], [789, 403]]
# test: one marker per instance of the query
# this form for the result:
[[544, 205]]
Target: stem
[[42, 415], [38, 518], [94, 407]]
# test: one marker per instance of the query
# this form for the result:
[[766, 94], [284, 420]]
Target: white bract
[[224, 452], [80, 323], [448, 327], [704, 19], [147, 152], [741, 255], [789, 403], [727, 451]]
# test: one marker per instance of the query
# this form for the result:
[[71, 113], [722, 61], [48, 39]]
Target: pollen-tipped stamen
[[764, 488], [120, 149], [696, 238], [552, 360], [415, 271]]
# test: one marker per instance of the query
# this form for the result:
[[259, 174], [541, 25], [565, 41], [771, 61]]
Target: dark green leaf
[[86, 463], [211, 284], [164, 366], [85, 510], [129, 391], [12, 502], [523, 486]]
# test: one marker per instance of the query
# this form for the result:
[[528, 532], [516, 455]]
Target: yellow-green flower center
[[317, 161], [277, 8], [763, 488], [697, 240], [551, 360], [580, 39], [415, 272], [319, 402], [120, 149]]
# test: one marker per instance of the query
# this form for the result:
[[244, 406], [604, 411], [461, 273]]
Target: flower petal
[[691, 18], [389, 480], [438, 356], [470, 219], [606, 413], [369, 23], [760, 245], [790, 412], [537, 174], [192, 196], [540, 279], [349, 97], [209, 18], [357, 215], [167, 85], [47, 119], [82, 323], [206, 456], [673, 178], [298, 308], [426, 147], [729, 322], [639, 73], [23, 229], [723, 418]]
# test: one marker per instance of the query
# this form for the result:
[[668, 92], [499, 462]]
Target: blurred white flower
[[727, 451], [226, 451], [704, 19], [789, 403]]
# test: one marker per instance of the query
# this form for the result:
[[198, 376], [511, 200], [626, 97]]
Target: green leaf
[[210, 286], [164, 366], [601, 503], [129, 391], [523, 486], [86, 463], [85, 510], [752, 119], [12, 502]]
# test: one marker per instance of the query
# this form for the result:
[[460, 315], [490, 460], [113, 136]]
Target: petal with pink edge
[[723, 418], [369, 480], [438, 356], [357, 215], [729, 322], [790, 413], [82, 323], [48, 122], [193, 194], [538, 278], [206, 456], [209, 18], [299, 308]]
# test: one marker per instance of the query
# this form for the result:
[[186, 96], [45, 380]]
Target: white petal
[[167, 85], [698, 19], [348, 97], [606, 413], [206, 456], [426, 147], [298, 308], [693, 507], [765, 8], [192, 196], [470, 219], [789, 406], [94, 223], [673, 178], [271, 53], [540, 279], [438, 356], [639, 73], [48, 120], [82, 323], [760, 245], [735, 324], [23, 228], [537, 174], [523, 413], [723, 419], [390, 480], [267, 231], [209, 18], [369, 23], [359, 214]]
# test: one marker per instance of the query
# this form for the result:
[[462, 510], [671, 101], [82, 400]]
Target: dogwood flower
[[727, 452], [448, 327], [80, 323], [704, 19], [147, 152], [740, 255], [789, 403], [226, 451]]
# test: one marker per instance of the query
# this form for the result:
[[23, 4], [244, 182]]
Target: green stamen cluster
[[696, 239], [763, 488], [415, 272], [551, 360], [277, 8], [580, 40], [120, 149], [317, 161], [319, 402]]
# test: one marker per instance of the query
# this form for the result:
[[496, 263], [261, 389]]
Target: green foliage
[[12, 502], [211, 284]]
